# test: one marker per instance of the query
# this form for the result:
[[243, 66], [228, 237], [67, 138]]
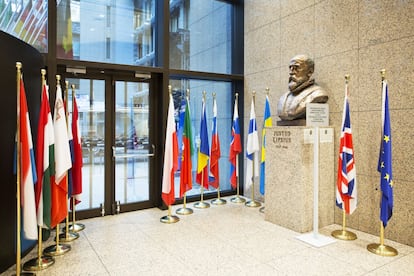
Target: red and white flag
[[170, 157], [27, 169]]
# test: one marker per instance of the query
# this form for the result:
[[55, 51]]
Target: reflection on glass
[[121, 32], [224, 119], [26, 20], [131, 147], [90, 98], [200, 35]]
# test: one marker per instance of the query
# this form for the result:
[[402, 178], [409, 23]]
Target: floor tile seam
[[96, 253]]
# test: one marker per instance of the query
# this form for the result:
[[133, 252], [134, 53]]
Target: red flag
[[215, 151], [27, 169], [77, 152], [63, 162], [170, 157], [186, 177]]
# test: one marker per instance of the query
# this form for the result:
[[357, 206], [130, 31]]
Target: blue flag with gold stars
[[385, 160]]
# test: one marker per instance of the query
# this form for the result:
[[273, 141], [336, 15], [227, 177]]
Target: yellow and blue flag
[[385, 160], [203, 151], [267, 122]]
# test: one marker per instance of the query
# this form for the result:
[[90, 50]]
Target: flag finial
[[382, 74], [214, 95], [347, 78], [18, 65], [169, 89], [188, 93], [267, 91]]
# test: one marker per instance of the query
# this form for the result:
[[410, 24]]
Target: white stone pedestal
[[289, 177]]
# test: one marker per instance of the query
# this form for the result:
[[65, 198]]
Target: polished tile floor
[[222, 240]]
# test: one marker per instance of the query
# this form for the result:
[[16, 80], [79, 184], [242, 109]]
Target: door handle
[[130, 155]]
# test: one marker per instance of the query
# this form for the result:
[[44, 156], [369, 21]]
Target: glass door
[[116, 149], [132, 150]]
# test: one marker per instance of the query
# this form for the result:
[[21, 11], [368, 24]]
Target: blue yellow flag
[[385, 160], [203, 151], [267, 122]]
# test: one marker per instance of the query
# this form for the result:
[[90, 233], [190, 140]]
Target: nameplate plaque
[[317, 114]]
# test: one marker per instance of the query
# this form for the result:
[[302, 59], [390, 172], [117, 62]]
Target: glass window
[[118, 32], [26, 20], [200, 35], [223, 96]]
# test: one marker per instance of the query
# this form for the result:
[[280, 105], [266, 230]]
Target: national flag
[[45, 154], [170, 157], [267, 122], [346, 184], [186, 177], [72, 155], [215, 151], [180, 130], [252, 149], [62, 161], [203, 150], [77, 154], [385, 160], [27, 168], [235, 147]]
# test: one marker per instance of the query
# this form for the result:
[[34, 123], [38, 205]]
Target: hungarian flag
[[203, 150], [346, 188], [215, 151], [77, 155], [186, 178], [267, 122], [27, 169], [62, 162], [235, 147], [170, 157], [252, 162], [385, 161], [45, 154]]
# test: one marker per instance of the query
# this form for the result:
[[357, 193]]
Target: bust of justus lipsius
[[302, 90]]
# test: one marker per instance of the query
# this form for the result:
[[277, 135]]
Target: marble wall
[[355, 37]]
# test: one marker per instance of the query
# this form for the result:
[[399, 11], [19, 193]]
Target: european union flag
[[385, 160]]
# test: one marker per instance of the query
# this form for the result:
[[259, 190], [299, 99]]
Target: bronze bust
[[302, 90]]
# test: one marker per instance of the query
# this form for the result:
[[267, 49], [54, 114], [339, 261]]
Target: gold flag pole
[[40, 262], [237, 198], [169, 218], [75, 227], [18, 177], [253, 202], [218, 200], [67, 236], [344, 234], [201, 204], [262, 209], [382, 249], [57, 249], [185, 210]]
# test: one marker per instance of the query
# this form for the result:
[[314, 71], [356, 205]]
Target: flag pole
[[185, 210], [40, 262], [237, 198], [382, 249], [201, 204], [218, 200], [262, 209], [169, 218], [253, 202], [57, 249], [68, 235], [344, 234], [75, 227]]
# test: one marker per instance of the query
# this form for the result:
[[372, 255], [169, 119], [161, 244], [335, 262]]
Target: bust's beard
[[296, 86]]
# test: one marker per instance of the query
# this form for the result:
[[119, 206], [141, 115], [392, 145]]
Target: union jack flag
[[346, 188]]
